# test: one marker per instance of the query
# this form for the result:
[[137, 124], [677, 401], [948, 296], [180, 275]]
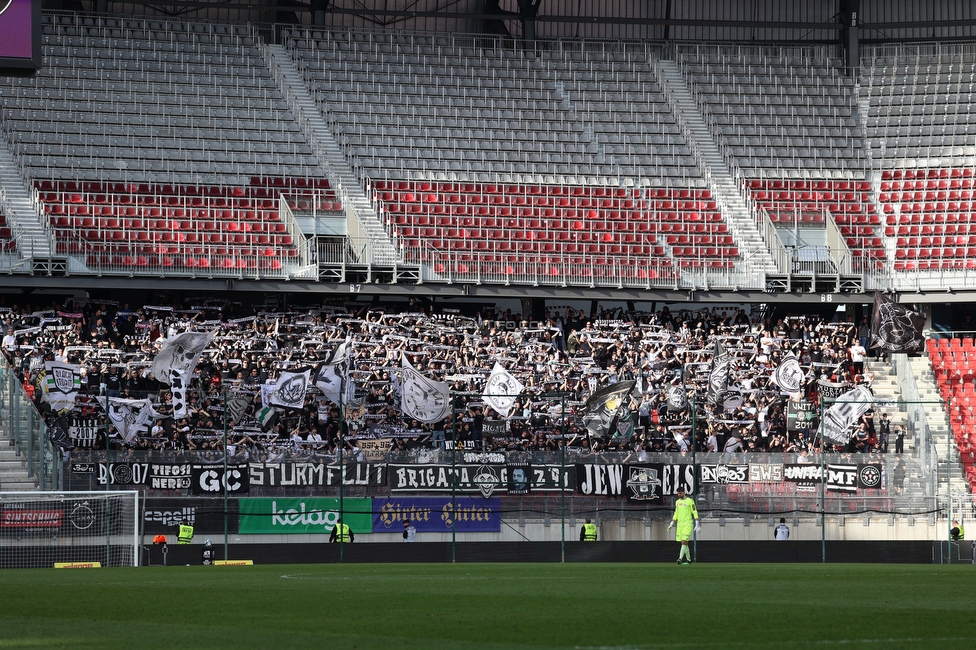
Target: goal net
[[41, 529]]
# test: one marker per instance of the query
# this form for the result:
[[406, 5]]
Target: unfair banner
[[438, 514], [302, 516]]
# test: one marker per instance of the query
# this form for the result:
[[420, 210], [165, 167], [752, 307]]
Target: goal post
[[40, 529]]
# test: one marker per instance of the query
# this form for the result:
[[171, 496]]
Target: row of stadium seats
[[7, 242], [954, 366]]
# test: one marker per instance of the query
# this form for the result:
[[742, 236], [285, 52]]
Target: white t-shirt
[[857, 353], [782, 532], [9, 342]]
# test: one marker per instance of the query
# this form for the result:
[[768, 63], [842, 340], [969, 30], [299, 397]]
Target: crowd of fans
[[561, 360]]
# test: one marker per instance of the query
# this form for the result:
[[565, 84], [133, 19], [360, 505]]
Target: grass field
[[492, 606]]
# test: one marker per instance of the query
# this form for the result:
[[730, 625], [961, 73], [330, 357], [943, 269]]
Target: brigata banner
[[438, 514], [302, 516], [316, 474], [484, 479]]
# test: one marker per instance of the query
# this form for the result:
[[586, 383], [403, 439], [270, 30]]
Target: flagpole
[[823, 488], [562, 481], [694, 462], [223, 388], [342, 443], [454, 479]]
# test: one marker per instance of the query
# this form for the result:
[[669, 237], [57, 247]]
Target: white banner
[[175, 362], [289, 390], [61, 384], [423, 399], [788, 374], [842, 414], [501, 390], [129, 416]]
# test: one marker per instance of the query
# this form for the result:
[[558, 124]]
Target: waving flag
[[289, 390], [842, 414], [788, 374], [718, 376], [423, 399], [175, 362], [501, 390], [601, 409], [894, 327], [332, 376], [129, 416], [61, 384]]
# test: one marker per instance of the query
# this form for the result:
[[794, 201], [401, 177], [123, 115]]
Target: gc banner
[[289, 516], [210, 479], [436, 514]]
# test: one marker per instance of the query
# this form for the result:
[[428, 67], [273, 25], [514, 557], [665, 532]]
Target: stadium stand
[[954, 365], [504, 163], [7, 241]]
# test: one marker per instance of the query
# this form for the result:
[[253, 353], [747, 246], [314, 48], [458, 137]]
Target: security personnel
[[186, 533], [341, 533], [588, 531], [957, 532]]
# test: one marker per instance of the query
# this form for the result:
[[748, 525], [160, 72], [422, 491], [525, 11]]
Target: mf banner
[[302, 516], [438, 514]]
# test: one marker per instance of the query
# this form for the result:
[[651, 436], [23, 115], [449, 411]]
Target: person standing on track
[[686, 518]]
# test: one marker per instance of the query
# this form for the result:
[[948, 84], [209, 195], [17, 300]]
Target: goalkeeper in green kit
[[686, 517]]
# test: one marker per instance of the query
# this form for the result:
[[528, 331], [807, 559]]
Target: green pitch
[[626, 606]]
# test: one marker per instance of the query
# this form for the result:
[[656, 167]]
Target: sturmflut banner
[[316, 474]]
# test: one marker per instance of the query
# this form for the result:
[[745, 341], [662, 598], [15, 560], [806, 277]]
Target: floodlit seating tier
[[954, 366], [193, 226], [931, 216], [597, 227]]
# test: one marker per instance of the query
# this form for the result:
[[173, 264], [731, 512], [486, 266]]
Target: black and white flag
[[57, 433], [289, 391], [896, 328], [842, 414], [421, 398], [235, 408], [501, 390], [332, 375], [788, 375], [129, 416], [175, 362], [677, 399], [601, 409], [841, 478], [61, 384], [718, 376]]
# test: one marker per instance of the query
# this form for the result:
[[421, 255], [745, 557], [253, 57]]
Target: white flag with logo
[[844, 413], [421, 398], [788, 374], [289, 390], [129, 416], [175, 362], [501, 390], [331, 376], [61, 384]]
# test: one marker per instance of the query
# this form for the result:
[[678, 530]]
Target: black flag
[[896, 328], [58, 433], [602, 407], [718, 376]]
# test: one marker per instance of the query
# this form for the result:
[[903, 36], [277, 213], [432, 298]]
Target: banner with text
[[316, 474], [438, 514], [302, 516]]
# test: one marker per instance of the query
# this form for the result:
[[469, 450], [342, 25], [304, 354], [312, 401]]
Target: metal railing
[[27, 432]]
